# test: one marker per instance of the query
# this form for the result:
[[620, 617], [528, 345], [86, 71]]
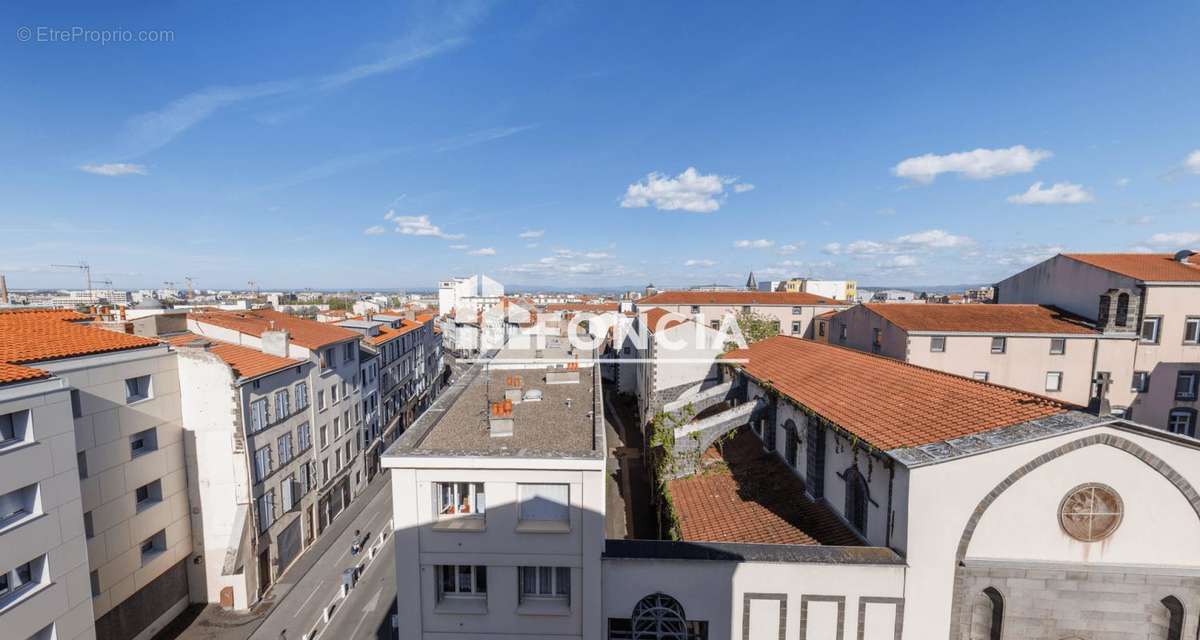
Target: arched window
[[1102, 317], [987, 617], [791, 440], [1174, 617], [856, 499], [1122, 310], [658, 616]]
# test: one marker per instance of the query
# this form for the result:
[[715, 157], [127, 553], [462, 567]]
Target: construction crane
[[85, 268]]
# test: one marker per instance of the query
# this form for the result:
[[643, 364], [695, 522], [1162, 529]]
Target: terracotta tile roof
[[246, 362], [16, 373], [309, 334], [750, 496], [887, 403], [736, 298], [982, 318], [582, 307], [28, 336], [661, 319], [387, 334], [1148, 267], [826, 315]]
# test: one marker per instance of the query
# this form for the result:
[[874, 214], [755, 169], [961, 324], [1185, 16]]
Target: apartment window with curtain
[[461, 581], [544, 502], [545, 583], [458, 499]]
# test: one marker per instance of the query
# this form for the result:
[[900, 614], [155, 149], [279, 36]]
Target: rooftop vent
[[533, 395]]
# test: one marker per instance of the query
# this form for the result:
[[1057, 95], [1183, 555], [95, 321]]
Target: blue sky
[[593, 144]]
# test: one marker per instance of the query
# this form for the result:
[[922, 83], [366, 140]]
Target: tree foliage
[[754, 327]]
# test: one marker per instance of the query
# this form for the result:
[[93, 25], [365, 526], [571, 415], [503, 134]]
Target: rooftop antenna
[[85, 268]]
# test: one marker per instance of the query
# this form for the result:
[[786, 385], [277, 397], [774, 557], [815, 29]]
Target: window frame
[[1190, 392], [1189, 416], [522, 500], [1144, 378], [477, 583], [1062, 350], [137, 394], [558, 576], [1157, 322], [1192, 324], [475, 492], [1058, 380], [1003, 348], [981, 376], [933, 344]]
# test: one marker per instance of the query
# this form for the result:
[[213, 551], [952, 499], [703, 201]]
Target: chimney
[[276, 343], [500, 422]]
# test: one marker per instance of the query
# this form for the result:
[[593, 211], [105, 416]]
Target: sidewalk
[[315, 577]]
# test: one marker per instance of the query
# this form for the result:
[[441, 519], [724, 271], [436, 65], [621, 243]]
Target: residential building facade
[[792, 312]]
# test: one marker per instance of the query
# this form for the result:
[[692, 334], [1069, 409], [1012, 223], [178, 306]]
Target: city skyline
[[578, 146]]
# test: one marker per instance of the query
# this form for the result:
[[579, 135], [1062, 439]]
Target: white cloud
[[389, 215], [789, 248], [689, 191], [532, 233], [980, 164], [754, 244], [1193, 162], [376, 230], [1122, 182], [700, 263], [934, 239], [898, 262], [919, 241], [460, 247], [1175, 240], [419, 226], [115, 169], [1058, 193], [1024, 255], [483, 251]]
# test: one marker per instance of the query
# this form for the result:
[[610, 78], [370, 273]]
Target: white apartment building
[[1031, 347], [792, 312], [498, 497], [335, 412], [1152, 297], [250, 468], [128, 504]]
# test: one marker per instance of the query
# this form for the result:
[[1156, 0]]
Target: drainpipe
[[891, 514]]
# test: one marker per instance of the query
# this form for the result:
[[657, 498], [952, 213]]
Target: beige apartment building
[[1153, 297], [1034, 348], [93, 478], [793, 312]]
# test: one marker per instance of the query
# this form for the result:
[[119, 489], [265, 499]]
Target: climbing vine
[[665, 462]]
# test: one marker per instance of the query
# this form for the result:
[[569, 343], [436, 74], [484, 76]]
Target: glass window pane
[[544, 502], [544, 580], [464, 579], [562, 581], [528, 581], [480, 579], [447, 579]]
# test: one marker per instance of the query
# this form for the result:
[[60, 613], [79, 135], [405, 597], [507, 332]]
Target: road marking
[[312, 595]]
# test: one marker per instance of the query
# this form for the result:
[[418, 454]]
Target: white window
[[545, 582], [258, 415], [143, 442], [544, 502], [262, 462], [980, 375], [283, 403], [286, 491], [14, 428], [1185, 385], [266, 510], [461, 581], [1191, 331], [301, 395], [137, 389], [998, 345], [320, 400], [1058, 346], [285, 448], [1182, 421], [333, 394], [1150, 329], [1053, 381], [937, 344], [324, 433], [153, 546], [304, 436], [460, 499], [797, 310], [19, 504]]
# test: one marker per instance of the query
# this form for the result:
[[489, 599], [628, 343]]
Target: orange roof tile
[[746, 495], [982, 318], [246, 362], [28, 336], [887, 403], [1147, 267], [16, 373], [309, 334], [387, 334], [736, 298], [661, 319]]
